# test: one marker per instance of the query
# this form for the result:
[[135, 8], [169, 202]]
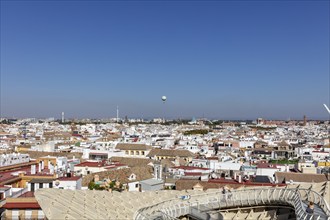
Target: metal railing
[[297, 198]]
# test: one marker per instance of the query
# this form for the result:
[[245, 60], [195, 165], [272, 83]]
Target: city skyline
[[226, 60]]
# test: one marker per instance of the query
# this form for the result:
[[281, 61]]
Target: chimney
[[42, 165], [96, 178], [240, 178], [235, 176], [33, 169], [39, 167], [157, 171], [51, 168], [177, 161]]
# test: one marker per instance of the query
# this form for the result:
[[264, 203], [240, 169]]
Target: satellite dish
[[163, 98]]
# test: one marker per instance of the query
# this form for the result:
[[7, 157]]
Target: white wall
[[11, 159], [245, 144], [132, 187], [62, 162], [84, 170], [65, 184], [8, 192], [36, 186], [320, 155], [267, 172]]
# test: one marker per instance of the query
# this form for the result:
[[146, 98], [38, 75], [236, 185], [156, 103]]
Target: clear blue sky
[[218, 59]]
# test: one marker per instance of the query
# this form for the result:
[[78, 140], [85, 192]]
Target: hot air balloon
[[163, 98]]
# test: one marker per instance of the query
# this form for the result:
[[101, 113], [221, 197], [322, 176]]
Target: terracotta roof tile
[[130, 146], [300, 177], [21, 205], [170, 153], [122, 175]]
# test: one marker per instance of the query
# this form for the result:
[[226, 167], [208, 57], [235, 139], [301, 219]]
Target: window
[[50, 185], [32, 187], [28, 213], [136, 185], [40, 185], [132, 177], [41, 214], [15, 214]]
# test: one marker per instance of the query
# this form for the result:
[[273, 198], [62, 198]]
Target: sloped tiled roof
[[167, 163], [185, 184], [132, 162], [170, 153], [130, 146], [300, 177], [122, 175], [261, 142], [283, 144]]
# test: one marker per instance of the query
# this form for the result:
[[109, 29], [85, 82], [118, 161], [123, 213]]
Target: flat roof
[[152, 182], [73, 178], [41, 180]]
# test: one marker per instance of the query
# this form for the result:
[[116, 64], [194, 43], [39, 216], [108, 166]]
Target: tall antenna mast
[[62, 117], [117, 114]]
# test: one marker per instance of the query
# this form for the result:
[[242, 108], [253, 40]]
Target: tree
[[95, 186], [91, 185]]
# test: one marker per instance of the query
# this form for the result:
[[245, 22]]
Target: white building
[[89, 167], [266, 169], [39, 183], [14, 158], [72, 183]]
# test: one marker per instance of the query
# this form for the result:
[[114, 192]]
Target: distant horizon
[[166, 116], [215, 59], [184, 118]]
